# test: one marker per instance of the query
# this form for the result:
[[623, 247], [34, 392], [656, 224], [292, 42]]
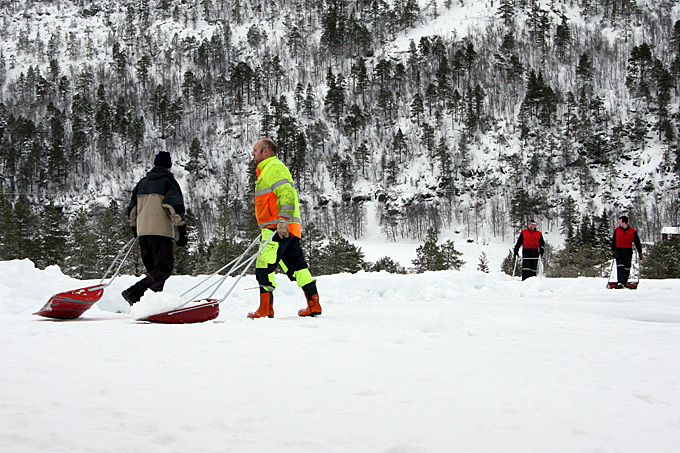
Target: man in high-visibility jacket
[[277, 209], [533, 245], [622, 249]]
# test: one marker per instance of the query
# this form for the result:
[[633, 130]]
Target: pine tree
[[196, 164], [386, 264], [443, 78], [110, 232], [432, 96], [336, 96], [584, 74], [639, 71], [341, 256], [354, 121], [576, 260], [362, 156], [312, 243], [51, 237], [254, 36], [675, 38], [445, 163], [3, 68], [451, 256], [318, 134], [414, 60], [506, 11], [562, 36], [428, 141], [522, 208], [299, 161], [296, 41], [417, 107], [510, 264], [143, 65], [19, 239], [334, 26], [81, 111], [310, 101], [429, 257], [483, 264], [360, 77], [6, 233], [399, 145], [386, 105], [119, 60], [662, 260], [26, 241], [81, 261], [57, 155], [410, 14], [103, 122], [121, 120], [299, 97]]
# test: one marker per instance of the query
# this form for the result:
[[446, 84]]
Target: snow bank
[[437, 362]]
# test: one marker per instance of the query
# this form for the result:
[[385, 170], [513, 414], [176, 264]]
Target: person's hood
[[158, 173]]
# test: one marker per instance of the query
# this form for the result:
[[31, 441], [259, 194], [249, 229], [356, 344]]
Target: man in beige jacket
[[156, 208]]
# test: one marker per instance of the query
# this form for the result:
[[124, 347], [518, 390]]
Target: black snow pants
[[288, 255], [529, 263], [159, 260], [624, 257]]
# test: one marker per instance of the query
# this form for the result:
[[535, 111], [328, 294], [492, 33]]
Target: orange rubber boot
[[313, 307], [266, 309]]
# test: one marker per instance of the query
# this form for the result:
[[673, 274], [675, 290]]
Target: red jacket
[[530, 240], [624, 239]]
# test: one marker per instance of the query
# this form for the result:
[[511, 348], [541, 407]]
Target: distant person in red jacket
[[622, 249], [533, 245]]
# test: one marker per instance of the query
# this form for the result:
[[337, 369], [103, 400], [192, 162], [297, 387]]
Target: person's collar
[[262, 164]]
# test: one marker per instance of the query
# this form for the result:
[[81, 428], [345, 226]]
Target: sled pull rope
[[127, 248], [218, 283], [235, 264], [232, 263], [245, 268]]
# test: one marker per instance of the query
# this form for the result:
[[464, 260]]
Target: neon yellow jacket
[[276, 196]]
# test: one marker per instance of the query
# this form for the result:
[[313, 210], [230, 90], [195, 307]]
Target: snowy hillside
[[424, 105], [438, 362], [396, 118]]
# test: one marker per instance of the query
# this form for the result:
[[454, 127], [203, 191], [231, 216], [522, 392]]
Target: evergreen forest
[[443, 113]]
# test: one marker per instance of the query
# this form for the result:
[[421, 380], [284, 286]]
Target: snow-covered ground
[[439, 362]]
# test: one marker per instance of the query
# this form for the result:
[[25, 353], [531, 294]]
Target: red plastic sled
[[71, 304], [629, 285], [206, 311]]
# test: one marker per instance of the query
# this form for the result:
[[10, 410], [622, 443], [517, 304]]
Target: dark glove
[[516, 255], [183, 239], [134, 231], [613, 254]]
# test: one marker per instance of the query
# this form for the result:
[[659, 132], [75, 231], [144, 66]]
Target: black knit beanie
[[163, 160]]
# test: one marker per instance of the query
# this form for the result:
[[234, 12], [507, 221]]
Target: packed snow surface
[[437, 362]]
